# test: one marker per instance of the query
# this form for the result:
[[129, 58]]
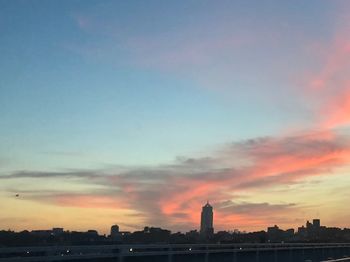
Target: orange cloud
[[172, 195], [275, 162]]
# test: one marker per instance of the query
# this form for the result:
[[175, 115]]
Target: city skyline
[[205, 230], [136, 113]]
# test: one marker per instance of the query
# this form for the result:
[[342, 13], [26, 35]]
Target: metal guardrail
[[345, 259], [63, 253]]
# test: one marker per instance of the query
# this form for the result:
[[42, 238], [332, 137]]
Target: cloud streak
[[172, 195]]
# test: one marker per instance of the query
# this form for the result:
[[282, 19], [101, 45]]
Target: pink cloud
[[329, 87], [337, 111], [172, 195], [275, 162]]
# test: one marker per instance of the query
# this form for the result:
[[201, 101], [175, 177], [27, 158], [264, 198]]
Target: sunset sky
[[137, 112]]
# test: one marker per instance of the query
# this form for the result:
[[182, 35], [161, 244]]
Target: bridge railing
[[62, 253], [346, 259]]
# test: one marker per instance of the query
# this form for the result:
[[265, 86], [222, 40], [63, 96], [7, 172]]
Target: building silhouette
[[207, 229], [316, 223], [115, 233]]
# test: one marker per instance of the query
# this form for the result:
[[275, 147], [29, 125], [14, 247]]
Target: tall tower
[[114, 230], [207, 221]]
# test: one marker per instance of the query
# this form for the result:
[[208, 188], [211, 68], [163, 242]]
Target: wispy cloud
[[328, 85], [254, 209], [173, 194]]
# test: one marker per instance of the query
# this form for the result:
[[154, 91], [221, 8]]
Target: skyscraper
[[115, 234], [207, 220], [316, 223]]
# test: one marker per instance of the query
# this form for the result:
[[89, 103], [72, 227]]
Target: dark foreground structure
[[173, 253]]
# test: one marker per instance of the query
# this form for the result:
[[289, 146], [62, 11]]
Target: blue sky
[[71, 84]]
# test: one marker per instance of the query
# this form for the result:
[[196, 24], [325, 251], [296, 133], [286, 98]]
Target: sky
[[137, 112]]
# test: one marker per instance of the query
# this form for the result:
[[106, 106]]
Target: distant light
[[28, 252], [67, 250], [190, 249], [240, 248], [130, 250]]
